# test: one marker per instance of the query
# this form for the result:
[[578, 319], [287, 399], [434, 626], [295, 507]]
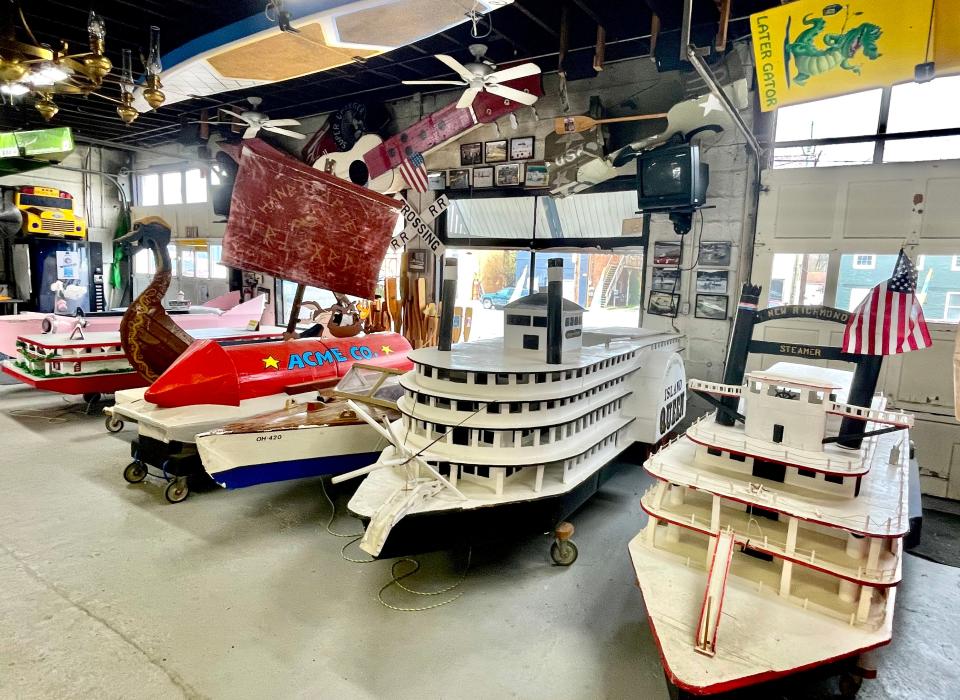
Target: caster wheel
[[114, 425], [563, 552], [176, 490], [850, 685], [135, 472], [92, 397]]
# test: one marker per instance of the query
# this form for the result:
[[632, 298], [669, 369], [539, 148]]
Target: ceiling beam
[[535, 19]]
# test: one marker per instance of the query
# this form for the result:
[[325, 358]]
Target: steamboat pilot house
[[522, 418], [769, 521]]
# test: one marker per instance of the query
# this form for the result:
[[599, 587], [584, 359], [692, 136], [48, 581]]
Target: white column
[[538, 482], [786, 573], [715, 515]]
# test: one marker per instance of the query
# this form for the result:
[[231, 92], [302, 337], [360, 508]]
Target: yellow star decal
[[271, 362], [386, 349]]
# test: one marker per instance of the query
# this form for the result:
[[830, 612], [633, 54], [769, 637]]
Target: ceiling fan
[[483, 76], [255, 121]]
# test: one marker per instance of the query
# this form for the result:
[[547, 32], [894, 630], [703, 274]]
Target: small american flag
[[889, 320], [414, 171]]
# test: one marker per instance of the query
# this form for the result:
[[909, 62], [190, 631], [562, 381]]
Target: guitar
[[373, 162]]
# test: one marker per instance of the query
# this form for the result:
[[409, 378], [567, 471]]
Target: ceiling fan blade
[[455, 65], [524, 70], [284, 132], [524, 98], [466, 99], [235, 115], [281, 122], [251, 132], [433, 82]]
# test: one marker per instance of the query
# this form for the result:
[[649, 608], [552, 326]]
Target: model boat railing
[[715, 388], [760, 495], [764, 543], [898, 418]]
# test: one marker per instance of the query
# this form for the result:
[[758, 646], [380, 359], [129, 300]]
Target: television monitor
[[672, 178]]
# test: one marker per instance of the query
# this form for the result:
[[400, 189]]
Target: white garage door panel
[[870, 209], [806, 210], [879, 209], [940, 208]]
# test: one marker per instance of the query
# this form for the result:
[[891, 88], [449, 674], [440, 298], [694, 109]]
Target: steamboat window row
[[498, 407], [460, 376], [525, 437]]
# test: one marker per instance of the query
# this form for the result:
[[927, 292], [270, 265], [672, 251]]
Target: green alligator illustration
[[839, 48]]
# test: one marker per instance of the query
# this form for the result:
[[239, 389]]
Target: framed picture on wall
[[482, 177], [711, 306], [664, 304], [715, 253], [536, 175], [666, 279], [458, 179], [666, 253], [712, 281], [471, 154], [495, 151], [508, 174], [521, 148], [436, 180]]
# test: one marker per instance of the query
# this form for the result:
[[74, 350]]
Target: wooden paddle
[[393, 303], [578, 124]]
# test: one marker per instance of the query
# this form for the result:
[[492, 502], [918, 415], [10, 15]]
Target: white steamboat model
[[770, 548], [496, 438]]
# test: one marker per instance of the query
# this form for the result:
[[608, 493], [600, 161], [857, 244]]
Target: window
[[939, 278], [863, 128], [517, 320], [218, 271], [172, 188], [798, 279], [149, 190], [187, 268], [864, 262], [196, 186], [951, 311], [202, 261]]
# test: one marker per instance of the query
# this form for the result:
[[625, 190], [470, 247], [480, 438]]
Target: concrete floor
[[108, 591]]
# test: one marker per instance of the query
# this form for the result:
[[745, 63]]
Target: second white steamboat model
[[513, 434], [769, 547]]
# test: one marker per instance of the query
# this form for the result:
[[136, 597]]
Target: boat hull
[[426, 531], [240, 459]]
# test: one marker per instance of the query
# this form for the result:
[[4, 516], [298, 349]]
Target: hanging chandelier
[[30, 67]]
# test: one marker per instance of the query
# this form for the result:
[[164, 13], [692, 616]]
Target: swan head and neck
[[150, 233]]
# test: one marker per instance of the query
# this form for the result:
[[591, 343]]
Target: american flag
[[414, 171], [889, 320]]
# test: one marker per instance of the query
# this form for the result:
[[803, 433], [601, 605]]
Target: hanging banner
[[811, 49]]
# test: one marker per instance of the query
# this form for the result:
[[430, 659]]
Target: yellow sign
[[809, 50]]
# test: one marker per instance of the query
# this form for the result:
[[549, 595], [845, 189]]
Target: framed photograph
[[436, 180], [521, 148], [495, 151], [508, 174], [665, 279], [712, 306], [666, 253], [712, 281], [417, 262], [482, 177], [664, 304], [458, 179], [536, 175], [471, 154], [715, 253]]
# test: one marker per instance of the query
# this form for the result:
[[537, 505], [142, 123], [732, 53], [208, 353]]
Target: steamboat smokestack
[[448, 300], [554, 311], [736, 364]]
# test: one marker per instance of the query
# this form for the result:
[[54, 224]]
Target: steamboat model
[[776, 524], [511, 435]]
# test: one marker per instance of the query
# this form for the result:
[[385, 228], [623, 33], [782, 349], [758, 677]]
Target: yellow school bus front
[[48, 211]]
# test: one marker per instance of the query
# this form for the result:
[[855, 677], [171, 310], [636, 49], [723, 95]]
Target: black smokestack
[[736, 364], [448, 299], [554, 310]]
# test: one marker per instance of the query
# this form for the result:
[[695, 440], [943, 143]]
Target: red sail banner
[[297, 223]]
